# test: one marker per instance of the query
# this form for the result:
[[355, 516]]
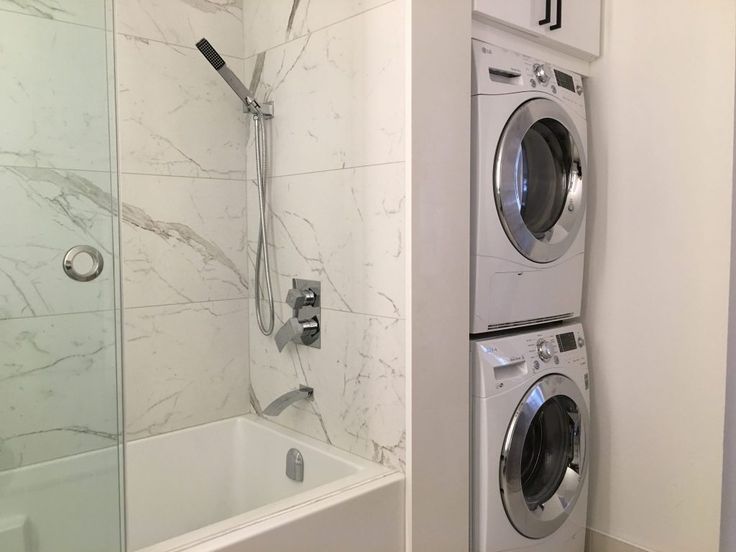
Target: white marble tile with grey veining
[[176, 114], [54, 104], [44, 213], [338, 95], [183, 240], [58, 387], [269, 23], [184, 22], [358, 380], [185, 365], [83, 12], [344, 228]]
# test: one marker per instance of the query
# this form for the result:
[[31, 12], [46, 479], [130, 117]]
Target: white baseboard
[[598, 542]]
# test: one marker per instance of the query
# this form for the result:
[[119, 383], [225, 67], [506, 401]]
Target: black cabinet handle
[[547, 13], [558, 25]]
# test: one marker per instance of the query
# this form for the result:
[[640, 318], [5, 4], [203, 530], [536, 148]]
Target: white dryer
[[531, 429], [529, 160]]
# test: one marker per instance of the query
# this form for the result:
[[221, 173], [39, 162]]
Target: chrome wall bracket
[[265, 110]]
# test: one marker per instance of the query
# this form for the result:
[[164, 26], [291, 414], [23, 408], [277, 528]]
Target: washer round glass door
[[543, 462], [538, 180]]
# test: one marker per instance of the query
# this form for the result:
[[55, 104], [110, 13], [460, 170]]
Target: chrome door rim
[[545, 520], [558, 239]]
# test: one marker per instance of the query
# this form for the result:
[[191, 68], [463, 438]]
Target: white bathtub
[[219, 487], [223, 487]]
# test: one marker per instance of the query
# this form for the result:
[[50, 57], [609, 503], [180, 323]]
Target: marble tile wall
[[182, 161], [335, 73], [58, 377]]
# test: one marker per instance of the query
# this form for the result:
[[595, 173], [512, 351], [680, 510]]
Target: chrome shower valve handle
[[298, 298], [304, 331], [304, 326]]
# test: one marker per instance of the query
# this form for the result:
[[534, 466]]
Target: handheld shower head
[[210, 53], [245, 95], [265, 322]]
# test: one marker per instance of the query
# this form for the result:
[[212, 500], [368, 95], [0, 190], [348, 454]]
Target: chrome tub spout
[[287, 399]]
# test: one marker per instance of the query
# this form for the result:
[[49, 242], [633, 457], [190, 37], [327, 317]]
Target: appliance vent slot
[[529, 322]]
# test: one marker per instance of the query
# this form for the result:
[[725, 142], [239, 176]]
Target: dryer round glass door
[[543, 462], [538, 180]]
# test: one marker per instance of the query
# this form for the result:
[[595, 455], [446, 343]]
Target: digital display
[[566, 342], [565, 80]]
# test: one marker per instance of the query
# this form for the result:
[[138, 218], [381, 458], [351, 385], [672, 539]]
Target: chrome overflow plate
[[83, 263], [295, 465]]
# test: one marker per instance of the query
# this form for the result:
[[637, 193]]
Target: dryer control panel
[[500, 71], [503, 362]]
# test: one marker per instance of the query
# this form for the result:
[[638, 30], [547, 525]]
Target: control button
[[557, 359], [533, 83], [581, 341], [579, 90], [536, 365], [554, 89], [542, 72], [544, 349]]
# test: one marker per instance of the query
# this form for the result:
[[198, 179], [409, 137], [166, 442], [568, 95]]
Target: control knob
[[542, 72], [544, 350]]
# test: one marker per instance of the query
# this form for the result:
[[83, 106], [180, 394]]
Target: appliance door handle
[[547, 13], [558, 25]]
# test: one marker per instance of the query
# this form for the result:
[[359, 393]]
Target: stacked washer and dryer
[[530, 393]]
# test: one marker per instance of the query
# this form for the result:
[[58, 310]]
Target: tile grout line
[[335, 169], [248, 298], [318, 29], [172, 44], [114, 309], [200, 177], [185, 303], [235, 180], [103, 28], [65, 169], [358, 313]]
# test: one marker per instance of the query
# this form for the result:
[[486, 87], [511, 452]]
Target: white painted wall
[[661, 110], [438, 212], [728, 506]]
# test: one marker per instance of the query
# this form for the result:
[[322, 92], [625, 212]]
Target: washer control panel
[[503, 362], [500, 71], [554, 347]]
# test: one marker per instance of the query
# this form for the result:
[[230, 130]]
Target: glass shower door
[[60, 434]]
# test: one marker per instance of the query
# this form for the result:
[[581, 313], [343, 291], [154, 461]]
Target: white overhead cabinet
[[572, 26]]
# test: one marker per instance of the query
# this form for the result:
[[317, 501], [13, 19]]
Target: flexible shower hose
[[262, 249]]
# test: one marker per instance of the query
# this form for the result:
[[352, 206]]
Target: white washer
[[528, 193], [531, 428]]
